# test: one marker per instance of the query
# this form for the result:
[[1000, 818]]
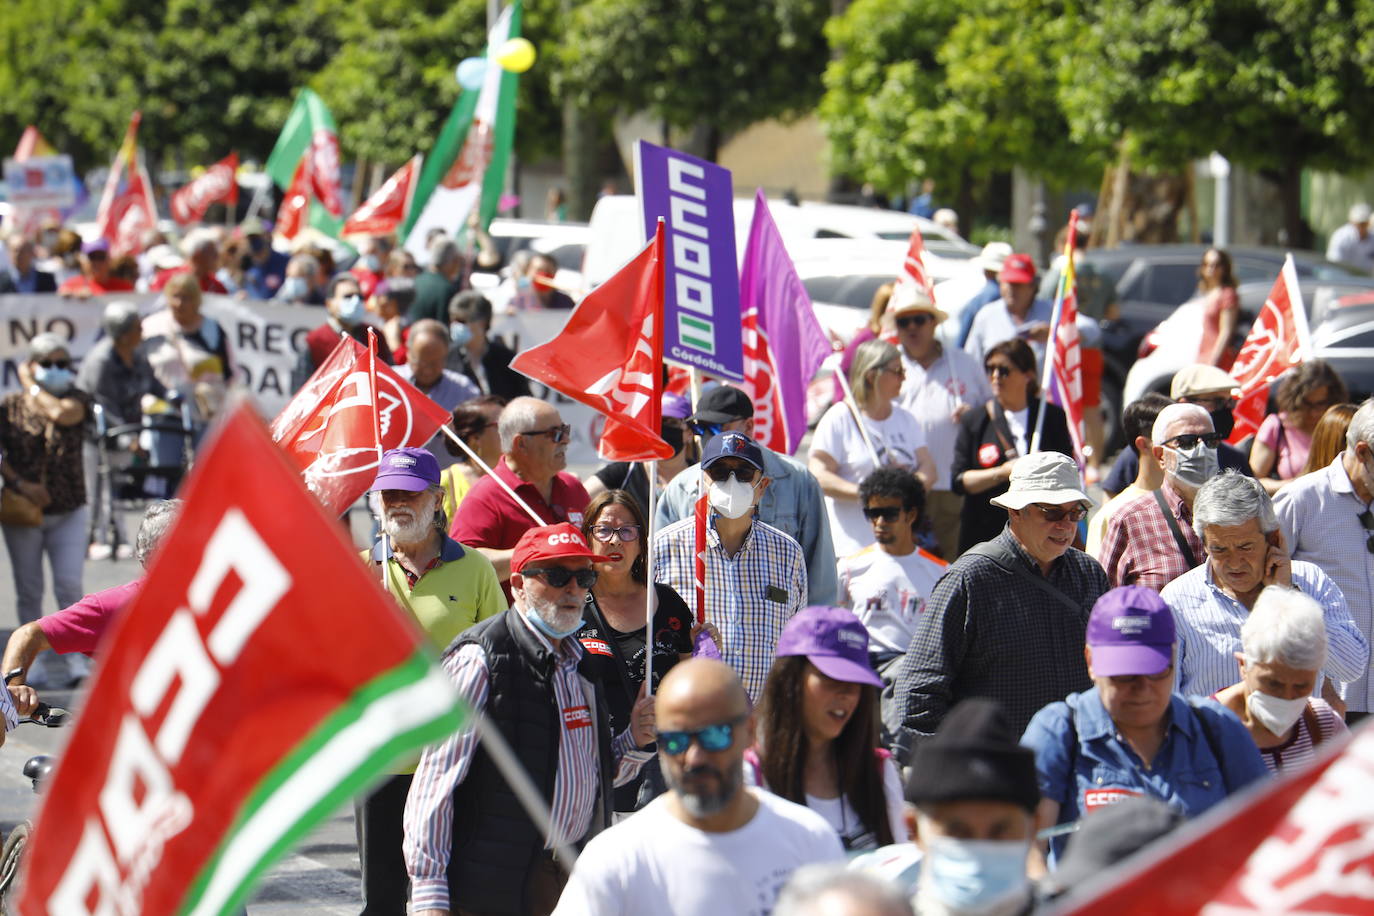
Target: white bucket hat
[[994, 255], [1043, 477]]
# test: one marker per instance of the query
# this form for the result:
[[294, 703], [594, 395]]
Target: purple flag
[[784, 344]]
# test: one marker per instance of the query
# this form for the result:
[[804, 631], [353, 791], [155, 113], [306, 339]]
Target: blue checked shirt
[[749, 597], [1208, 623]]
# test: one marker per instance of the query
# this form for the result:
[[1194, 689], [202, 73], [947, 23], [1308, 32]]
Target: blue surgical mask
[[522, 282], [54, 379], [294, 288], [351, 310], [976, 875], [547, 629], [459, 333], [371, 263]]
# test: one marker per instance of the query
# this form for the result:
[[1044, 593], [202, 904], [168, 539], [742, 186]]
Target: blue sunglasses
[[713, 738]]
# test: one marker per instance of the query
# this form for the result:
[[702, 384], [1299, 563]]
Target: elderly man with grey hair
[[1150, 540], [835, 890], [115, 372], [1234, 518], [1326, 519]]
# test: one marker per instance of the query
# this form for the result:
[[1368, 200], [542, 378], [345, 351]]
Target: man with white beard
[[445, 588]]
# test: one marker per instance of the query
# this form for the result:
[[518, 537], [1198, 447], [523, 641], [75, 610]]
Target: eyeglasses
[[55, 363], [1058, 513], [560, 576], [920, 319], [606, 534], [1367, 520], [886, 513], [1125, 680], [895, 370], [998, 370], [1189, 440], [558, 434], [713, 738], [1315, 405], [721, 472]]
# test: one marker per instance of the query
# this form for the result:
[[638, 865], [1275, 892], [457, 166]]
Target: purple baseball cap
[[675, 405], [1131, 631], [833, 640], [412, 469], [95, 245]]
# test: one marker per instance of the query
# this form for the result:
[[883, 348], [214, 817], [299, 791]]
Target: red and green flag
[[309, 146]]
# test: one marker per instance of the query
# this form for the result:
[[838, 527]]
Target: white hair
[[157, 519], [801, 895], [197, 239], [517, 417], [1361, 427], [1231, 498], [1172, 414], [1285, 627]]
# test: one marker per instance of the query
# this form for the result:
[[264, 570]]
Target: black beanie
[[973, 756]]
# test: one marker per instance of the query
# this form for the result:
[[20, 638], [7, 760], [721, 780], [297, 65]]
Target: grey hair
[[309, 262], [1172, 414], [119, 318], [872, 354], [1231, 499], [157, 518], [801, 895], [516, 417], [1361, 427], [443, 250], [1285, 627], [430, 327], [45, 344], [198, 239]]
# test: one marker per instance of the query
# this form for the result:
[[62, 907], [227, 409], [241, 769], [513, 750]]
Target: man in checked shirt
[[469, 845]]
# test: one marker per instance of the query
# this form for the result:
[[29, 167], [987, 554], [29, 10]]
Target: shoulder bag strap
[[608, 635], [1009, 563], [1179, 539], [1007, 447]]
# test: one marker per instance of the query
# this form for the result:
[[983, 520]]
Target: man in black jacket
[[22, 276]]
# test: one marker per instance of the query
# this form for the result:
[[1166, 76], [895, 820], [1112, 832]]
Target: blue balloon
[[471, 73]]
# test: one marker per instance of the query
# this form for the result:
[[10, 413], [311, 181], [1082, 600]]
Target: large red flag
[[126, 207], [609, 356], [387, 208], [258, 681], [1277, 342], [216, 184], [329, 429], [324, 170], [1066, 356]]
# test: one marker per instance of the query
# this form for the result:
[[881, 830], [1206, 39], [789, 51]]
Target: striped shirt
[[749, 596], [1139, 548], [1208, 623], [1298, 752], [1319, 514], [429, 807]]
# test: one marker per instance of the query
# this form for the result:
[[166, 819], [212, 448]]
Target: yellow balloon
[[516, 55]]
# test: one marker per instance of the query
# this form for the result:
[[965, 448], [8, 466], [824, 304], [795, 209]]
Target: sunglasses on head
[[886, 513], [920, 319], [721, 472], [55, 363], [998, 370], [1058, 513], [560, 576], [1189, 440], [713, 738], [558, 434], [606, 533]]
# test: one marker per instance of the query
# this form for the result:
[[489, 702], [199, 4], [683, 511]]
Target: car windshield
[[854, 291]]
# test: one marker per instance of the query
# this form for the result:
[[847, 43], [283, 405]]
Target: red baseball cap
[[1018, 268], [550, 542]]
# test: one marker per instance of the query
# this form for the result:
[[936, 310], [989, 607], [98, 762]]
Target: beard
[[559, 620], [692, 787], [406, 527]]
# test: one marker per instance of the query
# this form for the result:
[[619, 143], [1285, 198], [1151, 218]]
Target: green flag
[[310, 128], [467, 166]]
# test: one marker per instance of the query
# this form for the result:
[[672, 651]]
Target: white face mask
[[730, 497], [1275, 714]]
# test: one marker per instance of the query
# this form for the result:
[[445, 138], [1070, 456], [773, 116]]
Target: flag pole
[[377, 438], [1047, 374], [858, 417], [650, 601], [447, 430]]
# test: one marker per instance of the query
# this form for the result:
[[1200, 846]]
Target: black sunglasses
[[558, 434], [560, 576], [886, 513], [919, 319], [55, 363], [998, 371], [1189, 440], [720, 473], [713, 738], [1367, 520], [1058, 514]]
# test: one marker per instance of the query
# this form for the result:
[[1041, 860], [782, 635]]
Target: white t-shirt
[[652, 863], [843, 819], [896, 440], [1017, 421], [932, 395], [889, 593]]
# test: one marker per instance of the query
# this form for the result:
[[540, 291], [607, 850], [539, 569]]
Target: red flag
[[1066, 358], [126, 207], [295, 204], [329, 429], [324, 170], [387, 208], [1299, 844], [913, 272], [259, 679], [216, 184], [699, 513], [1277, 342], [609, 356]]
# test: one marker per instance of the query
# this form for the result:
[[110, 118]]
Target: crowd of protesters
[[923, 646]]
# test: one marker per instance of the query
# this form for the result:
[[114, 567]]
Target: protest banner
[[40, 182], [260, 679], [701, 303]]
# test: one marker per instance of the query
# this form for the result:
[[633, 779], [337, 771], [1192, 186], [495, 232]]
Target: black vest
[[495, 844]]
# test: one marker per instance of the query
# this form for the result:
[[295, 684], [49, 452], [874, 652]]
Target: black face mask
[[1223, 421], [671, 435]]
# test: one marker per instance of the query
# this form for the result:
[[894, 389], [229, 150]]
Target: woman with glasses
[[992, 438], [850, 444], [475, 422], [818, 731], [613, 632], [1216, 281], [1284, 438], [1130, 734]]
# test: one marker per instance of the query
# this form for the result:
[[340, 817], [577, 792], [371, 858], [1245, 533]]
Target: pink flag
[[783, 342], [1277, 342]]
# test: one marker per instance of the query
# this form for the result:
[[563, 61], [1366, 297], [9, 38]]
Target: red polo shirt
[[488, 517]]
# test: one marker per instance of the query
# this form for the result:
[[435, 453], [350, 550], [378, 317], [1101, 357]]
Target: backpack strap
[[1008, 562]]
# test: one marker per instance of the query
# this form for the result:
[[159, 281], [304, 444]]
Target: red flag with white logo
[[259, 680], [1278, 341], [387, 208], [216, 184], [330, 431], [324, 170], [609, 356], [126, 207], [1066, 357], [913, 272], [294, 211]]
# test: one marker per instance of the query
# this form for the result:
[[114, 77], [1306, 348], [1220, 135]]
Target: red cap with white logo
[[550, 542]]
